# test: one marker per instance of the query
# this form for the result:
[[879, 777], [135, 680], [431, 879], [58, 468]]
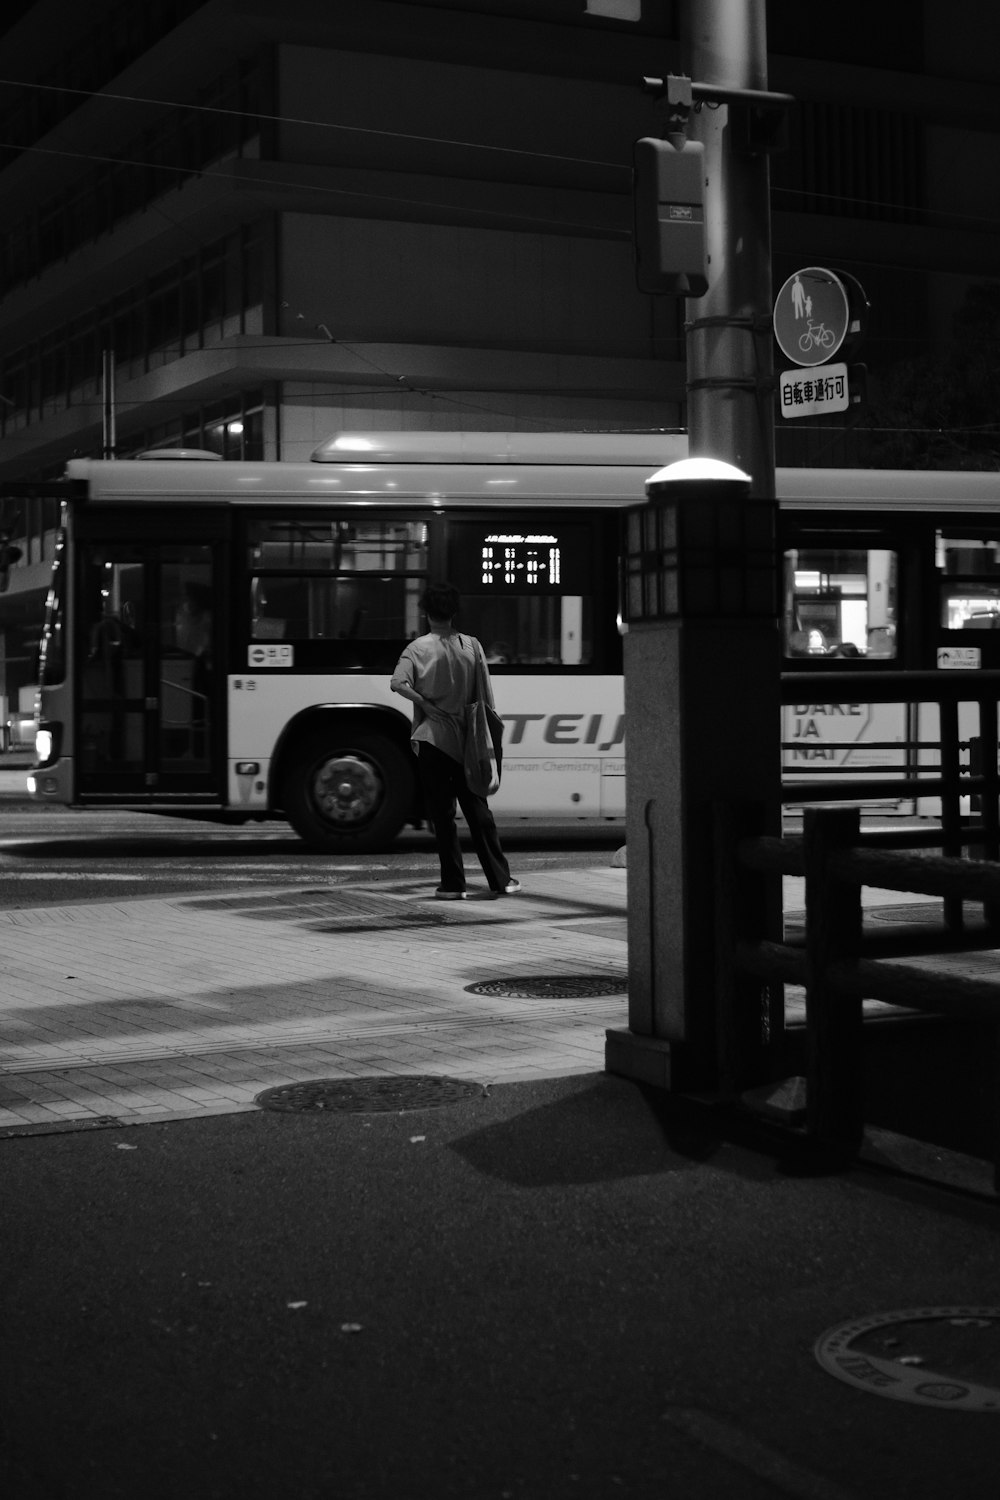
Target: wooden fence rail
[[831, 966], [964, 768]]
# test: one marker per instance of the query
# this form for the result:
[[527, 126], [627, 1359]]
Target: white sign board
[[814, 393], [265, 654], [839, 735], [959, 658]]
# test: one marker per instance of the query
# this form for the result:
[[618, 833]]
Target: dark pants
[[443, 782]]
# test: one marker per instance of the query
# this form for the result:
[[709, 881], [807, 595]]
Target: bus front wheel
[[349, 793]]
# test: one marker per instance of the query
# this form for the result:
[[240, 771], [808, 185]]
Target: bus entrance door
[[964, 630], [147, 711]]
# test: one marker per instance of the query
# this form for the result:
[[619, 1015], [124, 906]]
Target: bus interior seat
[[269, 628]]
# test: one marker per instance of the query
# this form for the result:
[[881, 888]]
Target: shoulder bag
[[483, 734]]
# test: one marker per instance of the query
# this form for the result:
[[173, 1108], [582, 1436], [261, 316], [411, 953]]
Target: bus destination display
[[522, 561]]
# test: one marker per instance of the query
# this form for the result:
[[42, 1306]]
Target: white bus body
[[293, 718]]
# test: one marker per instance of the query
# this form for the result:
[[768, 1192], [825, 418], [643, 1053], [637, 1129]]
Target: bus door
[[967, 565], [148, 720], [964, 611]]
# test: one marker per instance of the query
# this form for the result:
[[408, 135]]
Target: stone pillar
[[702, 706]]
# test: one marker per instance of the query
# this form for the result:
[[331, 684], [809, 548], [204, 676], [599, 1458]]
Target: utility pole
[[702, 658], [730, 365]]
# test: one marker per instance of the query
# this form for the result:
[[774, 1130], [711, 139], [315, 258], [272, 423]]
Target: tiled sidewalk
[[157, 1008], [139, 1009]]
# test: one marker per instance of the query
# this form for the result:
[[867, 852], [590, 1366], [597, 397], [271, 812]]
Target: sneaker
[[512, 888], [443, 894]]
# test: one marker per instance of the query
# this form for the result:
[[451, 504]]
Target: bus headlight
[[46, 743]]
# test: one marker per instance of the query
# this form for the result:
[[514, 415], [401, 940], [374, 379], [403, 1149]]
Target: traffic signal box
[[668, 185]]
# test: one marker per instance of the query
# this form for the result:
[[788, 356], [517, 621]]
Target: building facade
[[242, 225]]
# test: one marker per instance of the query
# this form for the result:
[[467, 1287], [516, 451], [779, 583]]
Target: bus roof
[[889, 489], [435, 469], [444, 469], [617, 448]]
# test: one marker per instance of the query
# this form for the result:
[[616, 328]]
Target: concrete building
[[241, 225]]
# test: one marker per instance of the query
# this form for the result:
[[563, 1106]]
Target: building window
[[233, 428], [227, 123], [207, 296], [118, 38], [851, 161]]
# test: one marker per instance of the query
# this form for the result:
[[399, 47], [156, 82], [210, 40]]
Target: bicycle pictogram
[[818, 336]]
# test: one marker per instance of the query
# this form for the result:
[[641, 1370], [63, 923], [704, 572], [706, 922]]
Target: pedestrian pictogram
[[812, 316]]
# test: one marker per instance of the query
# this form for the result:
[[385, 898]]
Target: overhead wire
[[255, 114], [531, 221], [401, 380], [190, 173], [941, 217]]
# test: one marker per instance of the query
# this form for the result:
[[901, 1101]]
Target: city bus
[[219, 636]]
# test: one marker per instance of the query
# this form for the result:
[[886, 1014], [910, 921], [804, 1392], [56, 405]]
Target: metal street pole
[[730, 366]]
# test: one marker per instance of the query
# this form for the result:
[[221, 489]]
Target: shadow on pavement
[[608, 1129], [606, 1132]]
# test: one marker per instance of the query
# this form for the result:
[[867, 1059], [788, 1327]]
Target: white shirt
[[442, 669]]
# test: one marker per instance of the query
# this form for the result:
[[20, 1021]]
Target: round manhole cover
[[378, 1095], [929, 1356], [552, 986]]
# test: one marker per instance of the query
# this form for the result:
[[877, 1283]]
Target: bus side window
[[304, 608], [881, 641], [970, 589], [325, 578], [840, 601]]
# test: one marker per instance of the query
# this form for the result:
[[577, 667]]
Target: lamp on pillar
[[702, 709], [700, 547]]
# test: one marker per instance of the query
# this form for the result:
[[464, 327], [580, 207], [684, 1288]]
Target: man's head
[[440, 602]]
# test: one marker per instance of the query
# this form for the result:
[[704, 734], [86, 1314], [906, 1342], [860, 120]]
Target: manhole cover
[[552, 986], [379, 1095], [929, 1356]]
